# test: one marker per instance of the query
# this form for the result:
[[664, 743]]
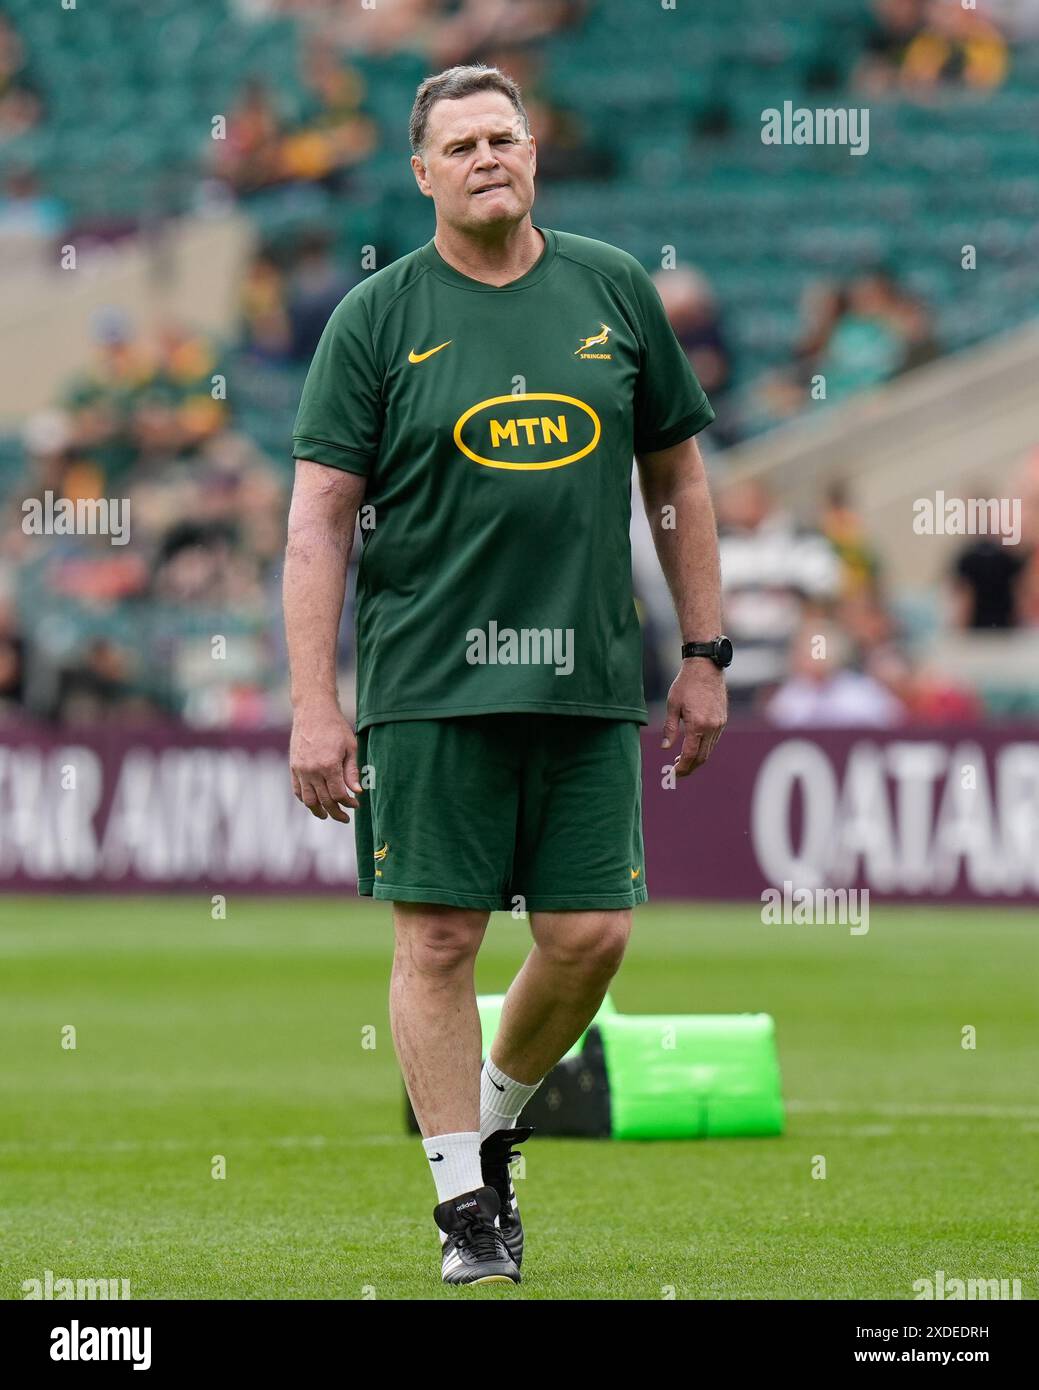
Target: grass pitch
[[243, 1038]]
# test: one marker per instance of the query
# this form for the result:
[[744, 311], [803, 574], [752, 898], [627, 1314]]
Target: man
[[483, 397]]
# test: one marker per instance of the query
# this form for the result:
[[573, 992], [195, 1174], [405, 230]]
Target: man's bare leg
[[433, 1014], [559, 988], [436, 1031]]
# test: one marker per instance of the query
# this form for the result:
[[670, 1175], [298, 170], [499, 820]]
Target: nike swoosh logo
[[495, 1084], [437, 1158], [414, 356]]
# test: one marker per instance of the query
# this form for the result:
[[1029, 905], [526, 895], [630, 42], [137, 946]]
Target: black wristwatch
[[719, 651]]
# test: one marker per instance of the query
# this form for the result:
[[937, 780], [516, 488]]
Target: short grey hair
[[457, 82]]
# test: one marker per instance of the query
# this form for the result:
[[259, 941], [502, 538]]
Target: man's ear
[[533, 156], [419, 170]]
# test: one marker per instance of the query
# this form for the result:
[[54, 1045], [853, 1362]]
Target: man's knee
[[590, 942], [435, 939]]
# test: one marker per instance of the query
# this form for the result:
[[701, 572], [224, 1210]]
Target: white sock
[[501, 1099], [454, 1161]]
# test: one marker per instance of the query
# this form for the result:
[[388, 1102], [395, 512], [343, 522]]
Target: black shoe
[[474, 1252], [496, 1154]]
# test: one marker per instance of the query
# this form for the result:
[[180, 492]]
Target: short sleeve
[[339, 421], [670, 404]]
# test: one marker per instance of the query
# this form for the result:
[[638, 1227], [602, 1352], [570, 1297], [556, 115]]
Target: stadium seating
[[128, 93]]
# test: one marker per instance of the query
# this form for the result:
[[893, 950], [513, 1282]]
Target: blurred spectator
[[846, 532], [773, 574], [867, 623], [12, 660], [20, 105], [94, 688], [315, 287], [914, 45], [101, 401], [138, 402], [467, 29], [988, 578], [1026, 487], [855, 336], [335, 134], [447, 32], [916, 323], [287, 297], [893, 26], [388, 27], [144, 428], [12, 56], [986, 582], [247, 157], [262, 149], [928, 695], [26, 214], [692, 308], [178, 411], [780, 395], [868, 344], [955, 45], [823, 305], [565, 149], [203, 563], [822, 691], [266, 333]]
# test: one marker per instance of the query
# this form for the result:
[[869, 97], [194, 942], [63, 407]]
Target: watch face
[[724, 652]]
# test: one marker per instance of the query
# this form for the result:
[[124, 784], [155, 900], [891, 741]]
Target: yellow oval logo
[[544, 429]]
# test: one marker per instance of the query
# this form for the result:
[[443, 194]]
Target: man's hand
[[323, 759], [697, 697]]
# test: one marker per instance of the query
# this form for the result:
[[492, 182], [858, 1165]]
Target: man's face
[[473, 144]]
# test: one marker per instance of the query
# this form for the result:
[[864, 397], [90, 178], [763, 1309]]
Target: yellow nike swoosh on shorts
[[414, 356]]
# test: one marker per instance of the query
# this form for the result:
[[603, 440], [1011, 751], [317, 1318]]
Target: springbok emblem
[[595, 340]]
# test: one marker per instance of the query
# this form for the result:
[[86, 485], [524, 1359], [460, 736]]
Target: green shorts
[[533, 812]]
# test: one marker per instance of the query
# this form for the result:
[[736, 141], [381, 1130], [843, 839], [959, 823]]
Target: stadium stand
[[810, 261]]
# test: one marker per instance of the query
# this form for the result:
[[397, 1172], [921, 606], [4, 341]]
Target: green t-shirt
[[496, 427]]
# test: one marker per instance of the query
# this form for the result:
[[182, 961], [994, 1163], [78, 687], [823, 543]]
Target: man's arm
[[323, 751], [687, 546]]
